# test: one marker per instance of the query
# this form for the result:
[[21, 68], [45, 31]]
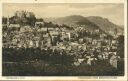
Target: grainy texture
[[75, 44]]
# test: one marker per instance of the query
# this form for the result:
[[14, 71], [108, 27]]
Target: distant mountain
[[91, 22], [74, 21], [106, 25], [69, 20]]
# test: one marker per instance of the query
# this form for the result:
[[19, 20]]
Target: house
[[14, 26], [94, 42], [36, 43], [90, 60], [55, 39], [113, 61], [81, 40], [98, 43], [39, 24], [78, 62], [31, 44], [102, 35], [44, 29], [84, 47], [114, 41], [97, 30], [47, 41], [65, 36], [4, 25], [112, 33], [26, 29], [54, 33], [51, 29]]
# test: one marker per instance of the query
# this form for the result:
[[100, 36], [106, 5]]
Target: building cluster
[[88, 46]]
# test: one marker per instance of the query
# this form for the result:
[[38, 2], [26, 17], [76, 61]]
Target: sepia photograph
[[63, 39]]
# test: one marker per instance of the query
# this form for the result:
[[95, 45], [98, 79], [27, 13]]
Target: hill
[[106, 25], [91, 22]]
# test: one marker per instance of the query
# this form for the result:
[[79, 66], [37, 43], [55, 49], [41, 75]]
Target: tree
[[120, 47], [31, 19], [40, 20], [4, 20]]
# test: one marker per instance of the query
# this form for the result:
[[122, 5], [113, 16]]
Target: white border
[[66, 77]]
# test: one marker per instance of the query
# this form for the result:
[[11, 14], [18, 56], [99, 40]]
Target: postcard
[[63, 40]]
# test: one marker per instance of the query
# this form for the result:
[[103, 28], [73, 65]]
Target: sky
[[114, 12]]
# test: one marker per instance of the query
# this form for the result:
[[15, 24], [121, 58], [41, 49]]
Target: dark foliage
[[37, 62], [120, 46]]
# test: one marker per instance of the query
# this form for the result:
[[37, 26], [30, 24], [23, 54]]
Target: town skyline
[[113, 12]]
